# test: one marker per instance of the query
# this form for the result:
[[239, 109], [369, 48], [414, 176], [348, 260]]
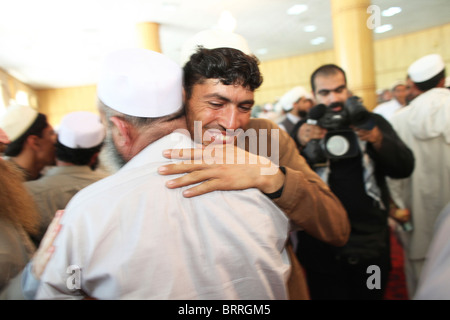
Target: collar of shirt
[[428, 116], [154, 152], [292, 118], [25, 174], [58, 170]]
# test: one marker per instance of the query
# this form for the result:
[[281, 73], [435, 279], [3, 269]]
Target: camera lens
[[337, 145]]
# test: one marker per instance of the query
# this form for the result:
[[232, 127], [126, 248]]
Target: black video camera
[[340, 141], [352, 113]]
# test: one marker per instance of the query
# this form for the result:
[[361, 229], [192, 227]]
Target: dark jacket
[[369, 237]]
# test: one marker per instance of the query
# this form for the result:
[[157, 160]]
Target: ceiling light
[[262, 51], [22, 98], [391, 11], [170, 6], [310, 28], [384, 28], [318, 40], [297, 9]]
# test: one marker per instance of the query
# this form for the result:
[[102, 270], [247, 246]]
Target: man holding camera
[[354, 151]]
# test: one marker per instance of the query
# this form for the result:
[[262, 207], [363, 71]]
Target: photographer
[[353, 150]]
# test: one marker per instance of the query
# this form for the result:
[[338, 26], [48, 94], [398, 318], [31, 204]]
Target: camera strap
[[370, 182]]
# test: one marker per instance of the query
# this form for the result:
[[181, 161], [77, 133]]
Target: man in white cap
[[424, 125], [32, 140], [388, 108], [412, 91], [80, 138], [19, 219], [295, 103], [129, 237]]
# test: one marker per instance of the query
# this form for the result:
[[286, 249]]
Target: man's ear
[[122, 133], [184, 95], [33, 142]]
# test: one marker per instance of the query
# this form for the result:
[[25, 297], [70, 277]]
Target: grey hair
[[137, 122]]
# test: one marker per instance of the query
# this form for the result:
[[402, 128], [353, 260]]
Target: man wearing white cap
[[32, 140], [80, 138], [129, 237], [20, 220], [295, 103], [388, 108], [424, 125], [412, 91]]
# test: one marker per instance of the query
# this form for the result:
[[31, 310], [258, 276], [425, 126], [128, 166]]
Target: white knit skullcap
[[289, 98], [81, 130], [397, 83], [16, 120], [140, 83], [426, 68]]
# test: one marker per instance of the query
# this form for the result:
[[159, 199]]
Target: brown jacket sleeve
[[306, 198]]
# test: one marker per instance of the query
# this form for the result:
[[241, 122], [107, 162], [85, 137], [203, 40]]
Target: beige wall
[[392, 58], [281, 75], [55, 103], [394, 55]]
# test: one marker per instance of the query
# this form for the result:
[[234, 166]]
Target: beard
[[302, 113], [409, 98], [110, 158]]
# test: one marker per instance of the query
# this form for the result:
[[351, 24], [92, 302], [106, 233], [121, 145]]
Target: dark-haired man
[[425, 127], [32, 140], [359, 181], [219, 85], [80, 138]]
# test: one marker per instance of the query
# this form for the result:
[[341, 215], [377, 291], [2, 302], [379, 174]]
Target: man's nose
[[333, 97], [229, 119]]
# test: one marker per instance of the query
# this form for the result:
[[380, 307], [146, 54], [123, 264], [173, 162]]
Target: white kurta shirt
[[388, 109], [54, 190], [130, 237], [435, 278], [424, 126]]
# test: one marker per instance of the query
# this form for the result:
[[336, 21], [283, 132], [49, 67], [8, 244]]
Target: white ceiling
[[59, 43]]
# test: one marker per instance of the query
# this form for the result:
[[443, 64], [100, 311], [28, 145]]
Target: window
[[22, 98]]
